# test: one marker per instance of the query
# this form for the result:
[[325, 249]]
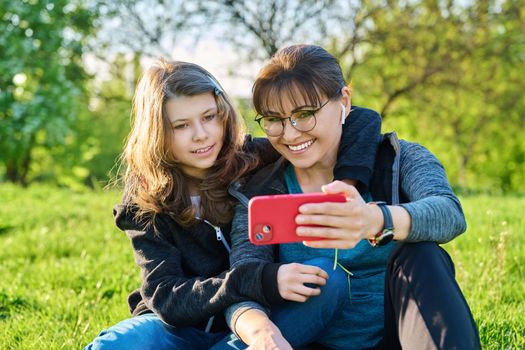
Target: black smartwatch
[[387, 233]]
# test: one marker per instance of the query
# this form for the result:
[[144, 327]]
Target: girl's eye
[[209, 117], [180, 126]]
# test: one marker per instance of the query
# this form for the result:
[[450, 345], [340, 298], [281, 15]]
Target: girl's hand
[[292, 277], [269, 340], [257, 330], [343, 225]]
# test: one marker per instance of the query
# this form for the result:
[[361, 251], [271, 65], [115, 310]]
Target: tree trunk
[[18, 169]]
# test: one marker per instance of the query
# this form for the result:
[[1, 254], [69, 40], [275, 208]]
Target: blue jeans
[[300, 323], [148, 332], [304, 323]]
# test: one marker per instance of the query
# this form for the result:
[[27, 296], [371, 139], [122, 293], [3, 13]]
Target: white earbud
[[343, 113]]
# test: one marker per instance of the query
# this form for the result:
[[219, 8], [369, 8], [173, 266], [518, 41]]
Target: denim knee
[[141, 332]]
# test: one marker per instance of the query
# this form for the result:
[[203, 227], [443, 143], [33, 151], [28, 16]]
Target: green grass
[[66, 269]]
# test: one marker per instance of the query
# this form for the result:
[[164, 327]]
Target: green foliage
[[66, 269], [446, 75], [104, 134], [42, 79]]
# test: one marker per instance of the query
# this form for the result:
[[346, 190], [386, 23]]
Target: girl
[[185, 148], [413, 301]]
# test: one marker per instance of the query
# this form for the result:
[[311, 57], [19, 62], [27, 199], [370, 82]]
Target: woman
[[403, 294], [185, 148]]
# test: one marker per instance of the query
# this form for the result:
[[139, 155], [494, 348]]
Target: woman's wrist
[[377, 221]]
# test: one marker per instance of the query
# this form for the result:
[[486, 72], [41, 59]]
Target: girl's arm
[[182, 300], [358, 146], [357, 150], [257, 330], [245, 253], [261, 148]]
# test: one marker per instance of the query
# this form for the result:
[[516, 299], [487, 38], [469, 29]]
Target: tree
[[441, 72], [41, 80]]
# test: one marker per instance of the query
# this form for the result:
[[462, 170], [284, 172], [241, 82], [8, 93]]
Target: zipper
[[218, 234], [394, 141], [220, 237]]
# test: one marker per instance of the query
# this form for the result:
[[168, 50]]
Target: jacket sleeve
[[358, 147], [243, 252], [434, 208], [180, 300], [261, 148]]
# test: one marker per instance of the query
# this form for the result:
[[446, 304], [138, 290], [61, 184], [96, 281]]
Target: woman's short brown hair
[[308, 70]]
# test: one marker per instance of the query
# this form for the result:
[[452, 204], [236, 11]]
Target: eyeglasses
[[302, 121]]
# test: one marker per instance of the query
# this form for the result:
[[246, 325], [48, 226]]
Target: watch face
[[385, 238]]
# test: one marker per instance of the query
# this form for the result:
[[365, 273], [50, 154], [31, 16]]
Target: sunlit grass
[[66, 270]]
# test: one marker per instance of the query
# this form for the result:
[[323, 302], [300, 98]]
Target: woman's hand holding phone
[[341, 225], [291, 280]]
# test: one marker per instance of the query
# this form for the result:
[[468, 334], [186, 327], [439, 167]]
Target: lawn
[[66, 269]]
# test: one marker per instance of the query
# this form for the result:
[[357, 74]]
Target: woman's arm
[[182, 300], [434, 208], [433, 212]]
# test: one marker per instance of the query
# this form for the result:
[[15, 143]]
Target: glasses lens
[[272, 126], [303, 120]]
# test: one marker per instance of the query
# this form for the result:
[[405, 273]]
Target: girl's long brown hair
[[154, 183]]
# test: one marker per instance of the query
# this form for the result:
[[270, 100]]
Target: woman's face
[[317, 147], [197, 132]]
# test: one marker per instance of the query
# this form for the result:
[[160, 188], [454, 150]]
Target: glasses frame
[[259, 118]]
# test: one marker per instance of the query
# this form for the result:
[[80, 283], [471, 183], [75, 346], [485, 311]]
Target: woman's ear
[[346, 101]]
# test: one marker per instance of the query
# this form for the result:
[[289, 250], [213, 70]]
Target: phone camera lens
[[266, 229], [259, 236]]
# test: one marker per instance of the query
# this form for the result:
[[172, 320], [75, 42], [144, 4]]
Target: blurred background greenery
[[448, 74]]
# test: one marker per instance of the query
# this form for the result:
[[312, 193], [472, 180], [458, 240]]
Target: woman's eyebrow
[[296, 109]]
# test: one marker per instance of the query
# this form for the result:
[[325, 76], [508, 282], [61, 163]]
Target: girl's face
[[197, 132], [317, 147]]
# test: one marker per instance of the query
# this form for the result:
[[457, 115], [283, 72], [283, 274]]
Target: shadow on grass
[[12, 304], [5, 229]]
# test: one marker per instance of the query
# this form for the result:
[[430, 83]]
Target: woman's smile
[[301, 147]]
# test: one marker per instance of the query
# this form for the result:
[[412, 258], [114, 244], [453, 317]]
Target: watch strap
[[387, 233]]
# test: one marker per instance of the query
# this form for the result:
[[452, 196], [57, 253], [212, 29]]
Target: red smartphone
[[271, 219]]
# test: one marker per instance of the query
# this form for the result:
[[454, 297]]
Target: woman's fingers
[[326, 208], [324, 231], [340, 187]]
